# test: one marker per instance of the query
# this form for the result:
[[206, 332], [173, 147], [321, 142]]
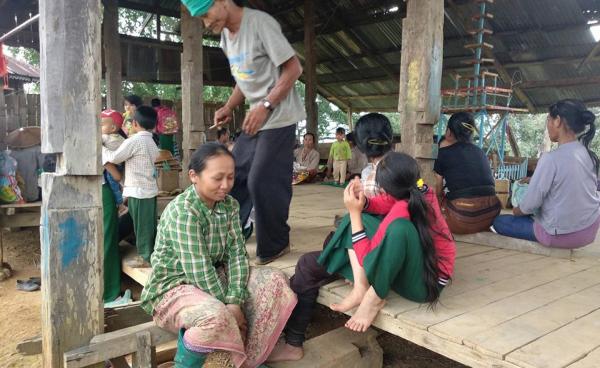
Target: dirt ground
[[20, 314]]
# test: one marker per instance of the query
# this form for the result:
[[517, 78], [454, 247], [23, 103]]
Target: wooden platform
[[28, 214], [505, 308], [20, 215]]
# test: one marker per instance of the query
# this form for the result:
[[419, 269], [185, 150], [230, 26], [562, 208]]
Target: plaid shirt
[[139, 153], [191, 241], [370, 187]]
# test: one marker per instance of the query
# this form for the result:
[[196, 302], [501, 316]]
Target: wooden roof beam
[[148, 8], [352, 19], [368, 97], [342, 23], [511, 33], [589, 56], [550, 61], [557, 83]]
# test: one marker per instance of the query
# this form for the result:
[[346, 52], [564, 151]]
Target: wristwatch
[[267, 104]]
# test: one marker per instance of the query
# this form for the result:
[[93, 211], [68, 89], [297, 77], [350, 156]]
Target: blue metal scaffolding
[[481, 95]]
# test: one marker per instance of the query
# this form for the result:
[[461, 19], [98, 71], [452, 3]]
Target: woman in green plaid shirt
[[201, 284]]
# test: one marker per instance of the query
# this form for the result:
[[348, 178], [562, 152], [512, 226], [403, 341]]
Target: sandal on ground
[[261, 261], [120, 301], [137, 262], [27, 285]]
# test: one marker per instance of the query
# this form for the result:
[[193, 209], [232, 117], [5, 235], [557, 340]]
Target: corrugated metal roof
[[20, 70], [359, 43]]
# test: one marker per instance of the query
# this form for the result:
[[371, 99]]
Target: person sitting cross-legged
[[201, 285], [410, 251], [561, 207]]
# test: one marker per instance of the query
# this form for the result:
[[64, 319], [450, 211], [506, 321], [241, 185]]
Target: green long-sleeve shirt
[[191, 240], [340, 151]]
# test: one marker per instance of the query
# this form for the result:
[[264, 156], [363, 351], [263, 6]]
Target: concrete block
[[340, 348]]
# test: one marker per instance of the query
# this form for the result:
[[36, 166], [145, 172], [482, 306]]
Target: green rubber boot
[[185, 358]]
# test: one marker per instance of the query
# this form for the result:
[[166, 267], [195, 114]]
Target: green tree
[[529, 132], [30, 56]]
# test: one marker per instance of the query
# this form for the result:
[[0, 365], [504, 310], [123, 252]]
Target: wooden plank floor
[[504, 308]]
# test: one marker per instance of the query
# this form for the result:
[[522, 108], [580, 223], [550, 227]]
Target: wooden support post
[[3, 121], [145, 356], [21, 96], [546, 144], [310, 69], [158, 51], [192, 83], [71, 214], [349, 118], [421, 79], [112, 55], [512, 140]]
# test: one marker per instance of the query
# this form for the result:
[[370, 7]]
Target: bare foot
[[351, 300], [366, 313], [285, 352]]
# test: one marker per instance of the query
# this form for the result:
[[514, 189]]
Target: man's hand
[[255, 119], [222, 116]]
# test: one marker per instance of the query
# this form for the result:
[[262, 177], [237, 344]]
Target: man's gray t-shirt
[[255, 55]]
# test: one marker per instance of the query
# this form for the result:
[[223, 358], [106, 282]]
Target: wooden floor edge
[[458, 352]]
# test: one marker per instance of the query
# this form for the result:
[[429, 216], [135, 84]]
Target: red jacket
[[384, 204]]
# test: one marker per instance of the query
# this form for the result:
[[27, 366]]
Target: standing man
[[265, 68]]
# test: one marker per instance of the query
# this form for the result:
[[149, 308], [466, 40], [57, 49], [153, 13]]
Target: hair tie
[[378, 142], [420, 183], [469, 127]]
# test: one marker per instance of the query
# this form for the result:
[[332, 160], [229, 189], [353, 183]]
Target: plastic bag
[[518, 193], [166, 121], [9, 188]]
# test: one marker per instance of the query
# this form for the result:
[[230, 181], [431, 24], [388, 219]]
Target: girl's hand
[[358, 188], [354, 203]]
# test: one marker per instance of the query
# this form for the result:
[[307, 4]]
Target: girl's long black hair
[[397, 174]]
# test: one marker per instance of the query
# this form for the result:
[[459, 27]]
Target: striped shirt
[[139, 153], [192, 242]]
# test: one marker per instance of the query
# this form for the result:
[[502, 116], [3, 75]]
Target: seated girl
[[561, 207], [403, 251], [470, 204], [201, 284]]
